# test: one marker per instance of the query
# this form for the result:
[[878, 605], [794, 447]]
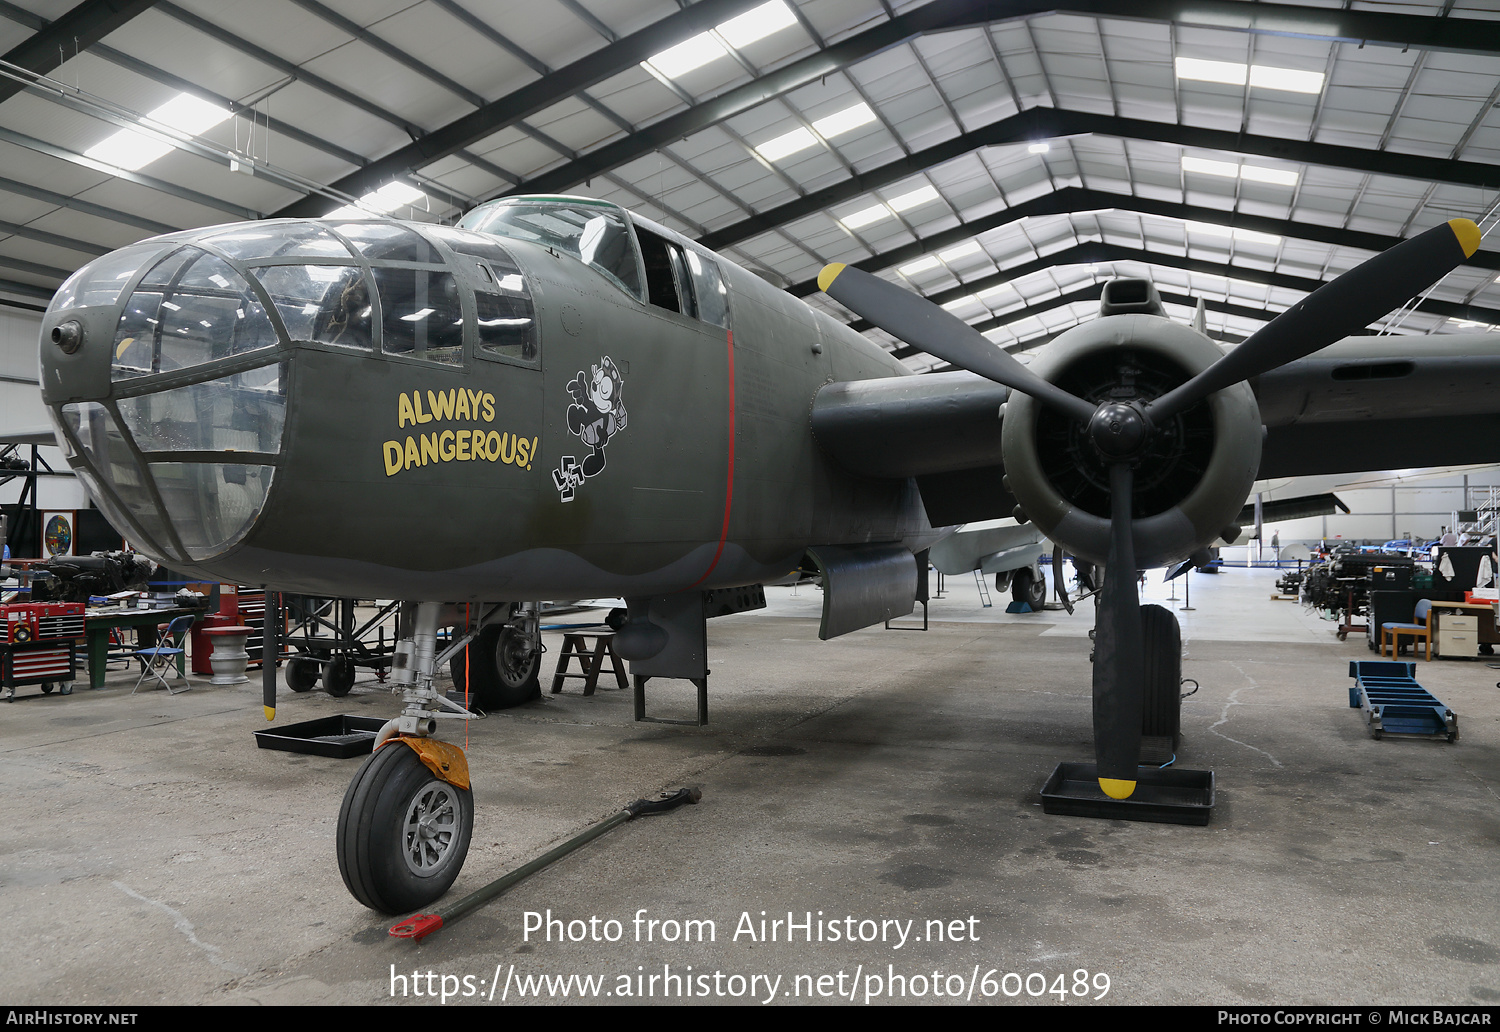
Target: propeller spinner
[[1122, 430]]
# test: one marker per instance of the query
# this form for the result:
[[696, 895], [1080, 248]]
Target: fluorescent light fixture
[[865, 216], [1289, 79], [1231, 73], [1234, 73], [757, 23], [677, 61], [920, 265], [842, 121], [1261, 174], [787, 143], [392, 196], [921, 195], [1039, 148], [1209, 166], [961, 251]]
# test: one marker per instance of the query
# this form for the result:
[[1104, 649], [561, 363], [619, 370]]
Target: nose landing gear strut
[[406, 819]]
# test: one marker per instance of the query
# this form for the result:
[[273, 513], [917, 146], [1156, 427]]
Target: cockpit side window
[[708, 290], [598, 237], [421, 314], [503, 307], [667, 281]]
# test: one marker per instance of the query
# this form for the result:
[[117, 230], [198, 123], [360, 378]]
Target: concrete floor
[[153, 855]]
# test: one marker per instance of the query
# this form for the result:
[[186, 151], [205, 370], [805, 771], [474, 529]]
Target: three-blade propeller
[[1121, 431]]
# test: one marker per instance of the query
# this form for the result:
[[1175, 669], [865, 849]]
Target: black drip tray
[[1164, 796], [341, 737]]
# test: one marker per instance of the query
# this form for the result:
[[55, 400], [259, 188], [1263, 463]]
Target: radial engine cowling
[[1191, 478]]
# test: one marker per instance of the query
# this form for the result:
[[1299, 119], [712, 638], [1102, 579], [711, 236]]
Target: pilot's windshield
[[596, 236]]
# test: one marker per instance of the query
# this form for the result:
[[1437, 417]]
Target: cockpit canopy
[[200, 327]]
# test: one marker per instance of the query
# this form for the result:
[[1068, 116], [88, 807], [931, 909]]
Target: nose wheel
[[403, 832]]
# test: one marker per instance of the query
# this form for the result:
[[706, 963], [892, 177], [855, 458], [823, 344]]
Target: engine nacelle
[[1192, 478]]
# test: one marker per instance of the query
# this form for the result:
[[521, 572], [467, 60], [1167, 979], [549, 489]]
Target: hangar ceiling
[[1002, 158]]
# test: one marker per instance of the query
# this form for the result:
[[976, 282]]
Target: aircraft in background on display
[[559, 399]]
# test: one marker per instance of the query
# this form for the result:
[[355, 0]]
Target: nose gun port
[[68, 336]]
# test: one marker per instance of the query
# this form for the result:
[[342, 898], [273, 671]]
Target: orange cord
[[467, 619]]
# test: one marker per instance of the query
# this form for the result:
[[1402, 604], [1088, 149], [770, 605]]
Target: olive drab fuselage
[[381, 436]]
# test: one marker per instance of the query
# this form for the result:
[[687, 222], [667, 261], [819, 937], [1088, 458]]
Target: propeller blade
[[1333, 311], [1118, 656], [926, 327]]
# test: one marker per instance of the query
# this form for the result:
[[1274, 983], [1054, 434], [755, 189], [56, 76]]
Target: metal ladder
[[984, 591]]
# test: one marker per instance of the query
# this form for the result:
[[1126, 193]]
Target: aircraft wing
[[942, 428], [1364, 403], [1380, 403], [29, 435]]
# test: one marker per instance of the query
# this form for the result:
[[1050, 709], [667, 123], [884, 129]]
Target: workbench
[[99, 622]]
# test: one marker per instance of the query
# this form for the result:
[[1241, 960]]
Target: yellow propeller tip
[[269, 711], [1466, 231], [830, 273], [1117, 789]]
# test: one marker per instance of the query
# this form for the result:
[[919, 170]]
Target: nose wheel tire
[[403, 833]]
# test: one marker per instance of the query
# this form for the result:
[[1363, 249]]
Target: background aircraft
[[561, 399]]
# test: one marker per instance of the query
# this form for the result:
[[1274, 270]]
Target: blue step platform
[[1395, 704]]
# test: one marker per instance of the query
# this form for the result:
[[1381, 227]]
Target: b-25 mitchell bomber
[[559, 399]]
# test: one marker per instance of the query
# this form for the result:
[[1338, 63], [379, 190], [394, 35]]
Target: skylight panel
[[188, 114], [865, 216], [131, 150], [961, 251], [1261, 174], [1231, 73], [1248, 236], [1235, 73], [757, 23], [842, 121], [392, 196], [1289, 79], [128, 149], [798, 139], [1231, 169], [920, 265], [677, 61], [921, 195]]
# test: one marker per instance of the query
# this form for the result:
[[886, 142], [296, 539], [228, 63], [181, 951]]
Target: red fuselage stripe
[[729, 478]]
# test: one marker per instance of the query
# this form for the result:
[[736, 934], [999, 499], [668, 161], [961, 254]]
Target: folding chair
[[157, 660]]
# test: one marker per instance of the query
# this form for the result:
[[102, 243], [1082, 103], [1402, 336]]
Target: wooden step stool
[[575, 647]]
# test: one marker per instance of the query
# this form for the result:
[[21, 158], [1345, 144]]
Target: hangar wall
[[21, 407]]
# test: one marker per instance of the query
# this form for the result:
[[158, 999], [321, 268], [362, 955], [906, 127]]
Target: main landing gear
[[406, 819]]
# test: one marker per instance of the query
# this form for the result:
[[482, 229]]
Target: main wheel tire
[[301, 674], [338, 677], [403, 832], [504, 675], [1161, 705], [1027, 587]]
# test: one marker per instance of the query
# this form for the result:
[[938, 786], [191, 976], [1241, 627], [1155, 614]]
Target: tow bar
[[419, 926]]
